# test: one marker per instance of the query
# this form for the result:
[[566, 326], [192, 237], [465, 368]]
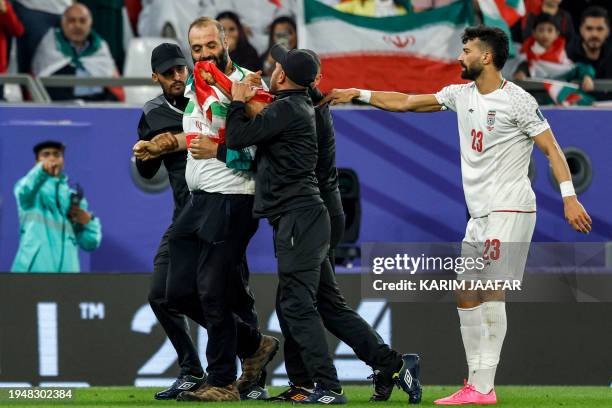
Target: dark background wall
[[105, 334]]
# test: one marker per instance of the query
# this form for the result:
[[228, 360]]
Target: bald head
[[76, 23]]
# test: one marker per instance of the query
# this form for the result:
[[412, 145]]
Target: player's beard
[[219, 60], [471, 73]]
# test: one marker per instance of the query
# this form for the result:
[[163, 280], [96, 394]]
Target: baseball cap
[[314, 55], [166, 56], [299, 65], [53, 144]]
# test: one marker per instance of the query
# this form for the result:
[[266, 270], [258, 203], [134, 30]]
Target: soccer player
[[498, 124]]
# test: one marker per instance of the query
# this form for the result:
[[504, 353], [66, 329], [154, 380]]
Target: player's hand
[[243, 91], [51, 168], [203, 148], [254, 78], [207, 76], [576, 215], [78, 215], [166, 141], [337, 96], [587, 84], [3, 7]]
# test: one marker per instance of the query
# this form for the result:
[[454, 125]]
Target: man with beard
[[161, 115], [498, 124], [592, 48], [209, 273]]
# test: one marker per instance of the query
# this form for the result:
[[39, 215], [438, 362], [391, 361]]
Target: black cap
[[313, 55], [166, 56], [48, 144], [299, 65]]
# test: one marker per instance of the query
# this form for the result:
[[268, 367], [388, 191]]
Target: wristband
[[567, 189], [364, 96]]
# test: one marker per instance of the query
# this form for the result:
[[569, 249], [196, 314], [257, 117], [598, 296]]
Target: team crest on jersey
[[490, 120]]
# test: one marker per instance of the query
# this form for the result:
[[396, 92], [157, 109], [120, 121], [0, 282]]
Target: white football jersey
[[495, 134], [212, 175]]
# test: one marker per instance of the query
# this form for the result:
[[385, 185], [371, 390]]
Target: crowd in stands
[[566, 40]]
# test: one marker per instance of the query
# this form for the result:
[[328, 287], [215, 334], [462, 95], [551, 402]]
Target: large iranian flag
[[410, 53]]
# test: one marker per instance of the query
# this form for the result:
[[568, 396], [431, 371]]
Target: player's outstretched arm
[[575, 213], [389, 101]]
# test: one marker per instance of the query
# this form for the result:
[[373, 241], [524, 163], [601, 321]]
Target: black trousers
[[206, 280], [301, 239], [173, 322], [342, 321]]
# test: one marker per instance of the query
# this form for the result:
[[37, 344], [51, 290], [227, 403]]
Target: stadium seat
[[137, 64]]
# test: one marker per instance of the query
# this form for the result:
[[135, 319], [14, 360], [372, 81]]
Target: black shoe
[[255, 393], [323, 396], [291, 394], [407, 378], [383, 386], [182, 383]]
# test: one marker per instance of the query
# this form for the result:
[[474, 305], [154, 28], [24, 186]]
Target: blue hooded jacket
[[49, 241]]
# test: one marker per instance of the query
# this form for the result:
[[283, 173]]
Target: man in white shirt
[[498, 125], [208, 274]]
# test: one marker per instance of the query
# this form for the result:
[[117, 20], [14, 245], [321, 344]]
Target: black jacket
[[285, 136], [158, 117], [326, 171]]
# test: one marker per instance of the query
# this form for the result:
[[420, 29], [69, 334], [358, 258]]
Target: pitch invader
[[498, 124]]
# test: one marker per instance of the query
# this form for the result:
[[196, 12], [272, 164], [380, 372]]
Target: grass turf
[[508, 396]]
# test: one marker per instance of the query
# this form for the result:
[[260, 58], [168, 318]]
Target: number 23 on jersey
[[477, 141]]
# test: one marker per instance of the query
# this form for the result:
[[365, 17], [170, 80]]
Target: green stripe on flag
[[457, 13], [218, 109], [189, 108]]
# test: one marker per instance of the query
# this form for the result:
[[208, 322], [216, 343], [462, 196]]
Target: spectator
[[53, 218], [240, 49], [577, 7], [108, 22], [38, 16], [282, 31], [373, 8], [563, 20], [75, 49], [10, 26], [592, 47], [546, 57]]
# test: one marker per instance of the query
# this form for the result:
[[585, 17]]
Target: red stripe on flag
[[391, 72], [508, 13]]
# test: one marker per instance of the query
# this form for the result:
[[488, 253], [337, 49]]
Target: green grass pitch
[[508, 396]]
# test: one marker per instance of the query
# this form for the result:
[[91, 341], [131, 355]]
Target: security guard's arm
[[241, 131], [146, 168]]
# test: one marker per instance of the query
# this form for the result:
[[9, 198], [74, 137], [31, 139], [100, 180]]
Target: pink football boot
[[468, 395]]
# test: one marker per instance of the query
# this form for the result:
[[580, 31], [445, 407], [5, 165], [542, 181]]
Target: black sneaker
[[383, 386], [323, 396], [291, 394], [182, 383], [407, 378], [255, 393]]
